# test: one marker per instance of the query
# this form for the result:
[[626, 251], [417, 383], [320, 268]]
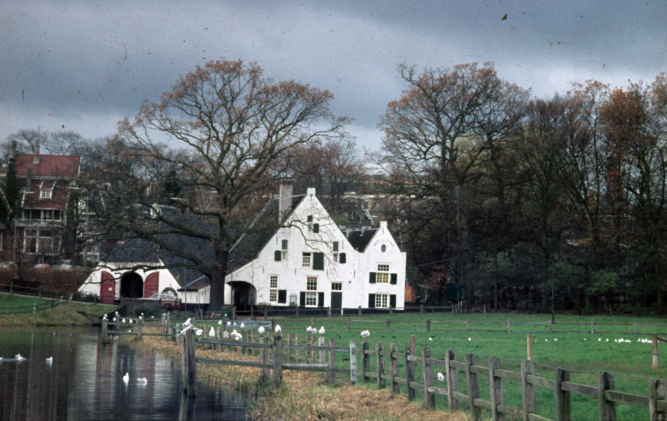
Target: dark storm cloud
[[87, 64]]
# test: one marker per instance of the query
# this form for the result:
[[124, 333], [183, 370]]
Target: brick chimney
[[36, 161], [284, 201]]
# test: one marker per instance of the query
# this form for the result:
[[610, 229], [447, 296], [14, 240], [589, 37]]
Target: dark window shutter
[[310, 218], [316, 228], [335, 246], [284, 245], [342, 258], [392, 301], [318, 261], [394, 278], [372, 278], [276, 255], [371, 300], [320, 299], [282, 296], [302, 297]]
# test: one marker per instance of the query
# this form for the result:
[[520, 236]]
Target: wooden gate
[[107, 288]]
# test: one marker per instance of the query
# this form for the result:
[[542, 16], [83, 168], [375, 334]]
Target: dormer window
[[46, 194]]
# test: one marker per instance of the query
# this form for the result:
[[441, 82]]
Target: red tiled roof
[[49, 165]]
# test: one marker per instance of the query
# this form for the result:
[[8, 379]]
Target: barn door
[[336, 302], [107, 288], [151, 284]]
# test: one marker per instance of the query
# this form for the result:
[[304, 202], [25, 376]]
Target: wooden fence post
[[105, 331], [266, 313], [393, 350], [189, 365], [348, 324], [277, 359], [309, 353], [527, 389], [606, 409], [509, 326], [359, 311], [452, 381], [332, 361], [264, 359], [409, 372], [657, 391], [414, 345], [323, 354], [634, 328], [654, 364], [592, 327], [427, 370], [388, 325], [428, 325], [473, 388], [529, 347], [563, 398], [496, 384], [139, 331], [421, 308], [297, 311], [551, 326], [353, 361], [329, 311], [468, 325], [365, 361], [290, 351], [297, 352], [379, 350]]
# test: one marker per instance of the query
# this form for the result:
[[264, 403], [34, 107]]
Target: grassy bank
[[66, 314], [303, 395]]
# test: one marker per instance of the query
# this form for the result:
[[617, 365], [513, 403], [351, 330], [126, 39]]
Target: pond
[[84, 381]]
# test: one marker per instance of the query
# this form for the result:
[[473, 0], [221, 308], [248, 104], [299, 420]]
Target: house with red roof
[[46, 184]]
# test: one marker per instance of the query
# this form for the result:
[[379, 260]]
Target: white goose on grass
[[19, 358], [441, 377], [49, 360], [199, 332], [242, 326], [225, 335], [365, 334], [126, 378], [278, 329], [211, 333], [142, 381], [322, 331], [219, 322], [260, 330]]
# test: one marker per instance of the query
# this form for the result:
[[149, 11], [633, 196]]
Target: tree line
[[484, 185]]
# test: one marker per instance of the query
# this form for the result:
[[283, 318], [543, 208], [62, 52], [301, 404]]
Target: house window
[[45, 194], [382, 276], [41, 241], [311, 291], [336, 286], [273, 289], [335, 251], [30, 241], [284, 249], [381, 300], [310, 222], [306, 260]]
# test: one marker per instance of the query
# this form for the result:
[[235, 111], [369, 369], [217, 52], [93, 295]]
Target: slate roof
[[261, 230], [243, 251], [360, 239], [49, 165]]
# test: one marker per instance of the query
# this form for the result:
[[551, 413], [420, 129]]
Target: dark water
[[85, 382]]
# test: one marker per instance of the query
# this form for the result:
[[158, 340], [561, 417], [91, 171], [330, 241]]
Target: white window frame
[[46, 194], [311, 291], [336, 286], [381, 300], [382, 275], [307, 260], [273, 288]]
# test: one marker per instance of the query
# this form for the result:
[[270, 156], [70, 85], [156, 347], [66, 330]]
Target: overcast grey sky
[[83, 65]]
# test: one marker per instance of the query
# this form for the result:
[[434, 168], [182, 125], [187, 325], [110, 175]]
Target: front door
[[336, 302], [107, 288]]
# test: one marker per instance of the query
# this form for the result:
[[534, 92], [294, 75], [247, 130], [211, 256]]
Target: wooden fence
[[277, 353], [34, 308]]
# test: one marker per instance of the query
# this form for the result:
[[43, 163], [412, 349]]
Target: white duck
[[278, 329], [211, 333], [441, 377], [126, 378], [260, 330], [322, 331], [365, 334]]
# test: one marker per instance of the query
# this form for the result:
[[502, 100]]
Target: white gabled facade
[[310, 262]]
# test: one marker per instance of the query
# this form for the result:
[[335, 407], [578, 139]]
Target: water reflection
[[85, 382]]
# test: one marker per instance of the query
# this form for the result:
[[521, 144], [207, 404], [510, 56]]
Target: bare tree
[[228, 127]]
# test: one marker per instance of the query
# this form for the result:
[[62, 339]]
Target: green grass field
[[569, 346], [14, 301]]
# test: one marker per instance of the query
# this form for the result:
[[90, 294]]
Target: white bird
[[607, 339], [199, 332], [229, 323], [188, 323], [322, 331], [308, 329], [365, 334], [117, 314], [234, 324], [130, 321], [19, 357], [278, 329], [546, 340], [142, 381], [441, 377], [115, 319], [152, 317], [242, 326], [142, 315], [260, 330], [555, 339], [211, 333], [126, 378], [599, 339], [49, 360], [105, 318], [225, 335], [469, 339], [219, 322], [430, 338], [585, 339], [124, 320]]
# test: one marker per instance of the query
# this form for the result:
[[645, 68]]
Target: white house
[[293, 254], [308, 261]]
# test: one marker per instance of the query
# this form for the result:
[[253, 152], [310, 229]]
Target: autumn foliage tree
[[228, 129]]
